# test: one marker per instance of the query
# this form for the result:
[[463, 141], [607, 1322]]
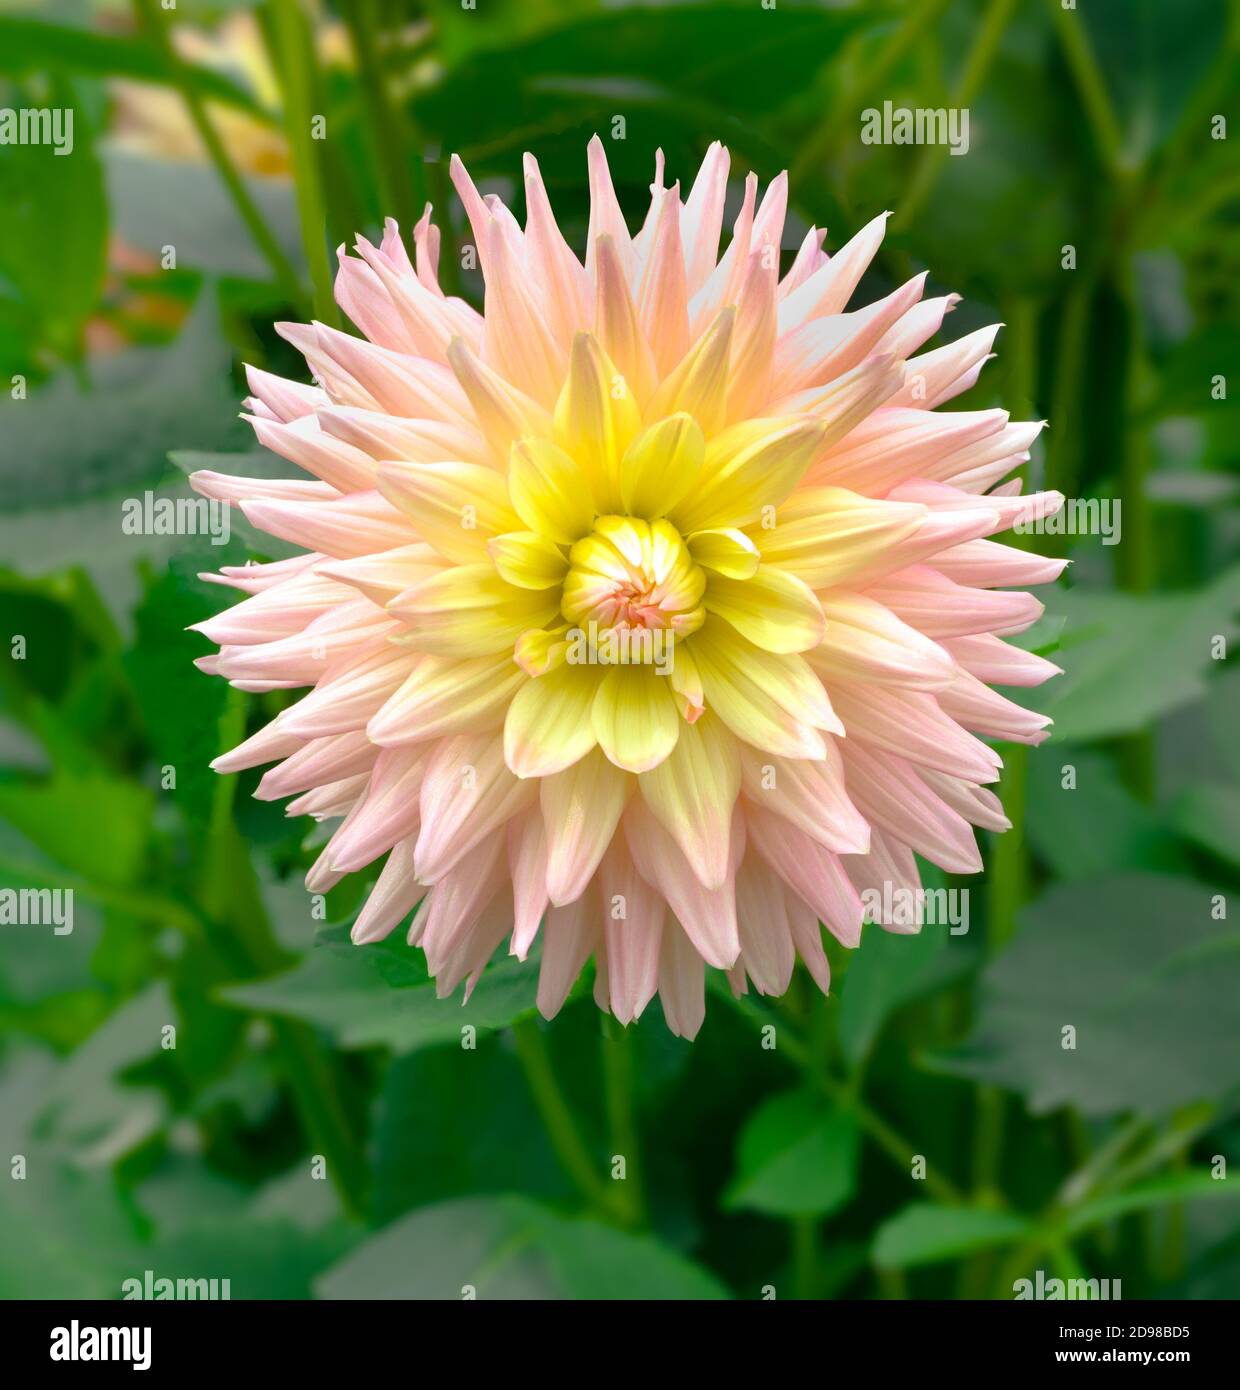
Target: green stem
[[894, 1144], [1090, 85], [824, 139], [1063, 439], [182, 76], [292, 54], [231, 898], [976, 65], [557, 1118], [387, 127], [1136, 556], [803, 1231], [618, 1070]]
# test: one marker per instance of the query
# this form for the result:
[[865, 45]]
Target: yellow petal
[[753, 347], [446, 695], [748, 467], [528, 560], [616, 317], [596, 419], [539, 651], [455, 507], [548, 726], [634, 717], [470, 611], [660, 466], [662, 296], [824, 534], [699, 385], [725, 551], [580, 809], [774, 610], [771, 701], [549, 492], [686, 682], [503, 412], [693, 792]]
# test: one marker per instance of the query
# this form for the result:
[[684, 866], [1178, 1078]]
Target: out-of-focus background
[[204, 1080]]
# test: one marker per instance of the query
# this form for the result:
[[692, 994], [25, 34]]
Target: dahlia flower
[[652, 611]]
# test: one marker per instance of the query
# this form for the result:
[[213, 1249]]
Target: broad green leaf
[[1139, 967], [452, 1123], [797, 1157], [88, 1109], [892, 968], [29, 46], [1096, 825], [49, 284], [95, 824], [925, 1234], [181, 707], [67, 1234], [1151, 56], [74, 454], [371, 996], [1209, 814], [1155, 1192], [1128, 659], [511, 1248], [1188, 377], [160, 203]]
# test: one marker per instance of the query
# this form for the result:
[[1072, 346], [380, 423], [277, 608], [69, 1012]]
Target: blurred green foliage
[[318, 1128]]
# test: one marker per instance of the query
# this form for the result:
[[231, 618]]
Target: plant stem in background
[[1067, 394], [806, 1278], [848, 106], [618, 1073], [1074, 40], [557, 1117], [1008, 877], [292, 56], [231, 899], [151, 17], [900, 1149], [402, 183], [976, 65]]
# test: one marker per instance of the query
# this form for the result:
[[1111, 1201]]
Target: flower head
[[652, 610]]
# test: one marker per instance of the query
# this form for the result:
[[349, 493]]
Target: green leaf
[[160, 203], [74, 454], [181, 708], [87, 1108], [1186, 378], [1138, 966], [511, 1248], [1155, 1192], [1095, 826], [31, 46], [57, 285], [1209, 814], [1152, 57], [92, 823], [451, 1123], [924, 1234], [369, 996], [1129, 659], [893, 968], [66, 1232], [797, 1157]]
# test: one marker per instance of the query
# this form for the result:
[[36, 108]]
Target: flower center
[[630, 574]]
